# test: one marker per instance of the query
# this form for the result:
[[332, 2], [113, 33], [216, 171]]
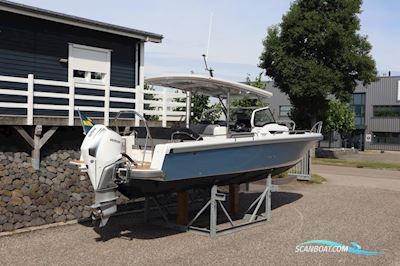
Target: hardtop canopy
[[210, 86]]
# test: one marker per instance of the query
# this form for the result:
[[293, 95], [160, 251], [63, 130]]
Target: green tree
[[246, 102], [317, 51], [339, 117]]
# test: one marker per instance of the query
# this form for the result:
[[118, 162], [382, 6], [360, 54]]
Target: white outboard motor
[[101, 153]]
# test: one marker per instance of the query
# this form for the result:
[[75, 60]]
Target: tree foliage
[[339, 117], [246, 102], [317, 51]]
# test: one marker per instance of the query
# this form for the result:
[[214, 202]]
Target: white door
[[89, 67]]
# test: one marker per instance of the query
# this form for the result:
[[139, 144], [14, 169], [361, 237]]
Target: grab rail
[[148, 135]]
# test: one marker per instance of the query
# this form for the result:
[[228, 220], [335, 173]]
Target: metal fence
[[302, 170]]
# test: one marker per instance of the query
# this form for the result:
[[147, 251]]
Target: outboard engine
[[101, 153]]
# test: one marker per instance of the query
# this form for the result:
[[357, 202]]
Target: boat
[[149, 161]]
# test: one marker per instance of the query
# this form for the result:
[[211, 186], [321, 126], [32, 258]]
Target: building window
[[386, 137], [387, 110], [358, 107], [89, 77], [284, 110]]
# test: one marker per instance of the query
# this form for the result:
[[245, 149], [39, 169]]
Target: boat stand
[[215, 202], [252, 218]]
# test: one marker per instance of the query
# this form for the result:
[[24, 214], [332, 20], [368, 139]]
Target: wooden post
[[36, 142], [36, 147], [234, 204], [29, 112], [139, 95], [188, 108], [182, 208], [164, 107]]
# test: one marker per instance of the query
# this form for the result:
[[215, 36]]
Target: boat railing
[[316, 128], [148, 135]]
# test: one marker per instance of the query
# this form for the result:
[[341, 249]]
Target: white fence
[[163, 105]]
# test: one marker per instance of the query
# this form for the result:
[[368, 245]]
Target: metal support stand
[[252, 218]]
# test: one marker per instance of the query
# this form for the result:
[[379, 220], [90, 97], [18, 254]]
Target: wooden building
[[53, 64]]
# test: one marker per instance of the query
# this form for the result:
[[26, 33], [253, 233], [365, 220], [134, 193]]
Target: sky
[[237, 31]]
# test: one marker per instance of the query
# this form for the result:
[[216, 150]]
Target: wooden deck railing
[[163, 104]]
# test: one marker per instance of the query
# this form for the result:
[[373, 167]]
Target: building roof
[[78, 21]]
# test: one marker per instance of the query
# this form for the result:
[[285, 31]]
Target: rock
[[37, 221], [18, 217], [51, 169], [64, 155], [8, 227], [18, 225], [58, 211], [17, 193], [3, 219], [42, 179], [49, 182], [5, 193], [86, 214], [16, 201], [61, 218], [19, 209], [18, 183], [27, 224], [17, 160], [27, 200], [82, 177], [53, 157], [27, 218], [6, 180], [70, 217], [6, 199], [76, 196]]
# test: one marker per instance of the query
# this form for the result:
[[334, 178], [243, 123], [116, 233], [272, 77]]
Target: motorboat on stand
[[149, 161]]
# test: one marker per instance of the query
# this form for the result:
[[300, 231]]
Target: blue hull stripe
[[232, 160]]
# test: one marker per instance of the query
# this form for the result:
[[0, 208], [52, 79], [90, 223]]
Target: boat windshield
[[263, 117]]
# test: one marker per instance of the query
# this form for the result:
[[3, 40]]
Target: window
[[284, 110], [386, 110], [97, 75], [358, 107], [79, 74], [88, 76], [386, 137], [263, 117]]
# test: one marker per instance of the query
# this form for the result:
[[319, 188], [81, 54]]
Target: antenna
[[210, 70]]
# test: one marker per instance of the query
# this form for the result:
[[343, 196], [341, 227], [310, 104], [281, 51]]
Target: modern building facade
[[377, 115]]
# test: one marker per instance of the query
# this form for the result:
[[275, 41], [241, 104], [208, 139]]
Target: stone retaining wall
[[57, 192]]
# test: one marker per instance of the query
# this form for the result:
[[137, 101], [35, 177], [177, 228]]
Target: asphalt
[[358, 205]]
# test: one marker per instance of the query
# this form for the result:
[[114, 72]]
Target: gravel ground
[[357, 205]]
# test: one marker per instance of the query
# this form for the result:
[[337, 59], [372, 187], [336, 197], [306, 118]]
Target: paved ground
[[358, 205]]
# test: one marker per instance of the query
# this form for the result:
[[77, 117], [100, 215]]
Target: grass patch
[[317, 179], [358, 164]]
